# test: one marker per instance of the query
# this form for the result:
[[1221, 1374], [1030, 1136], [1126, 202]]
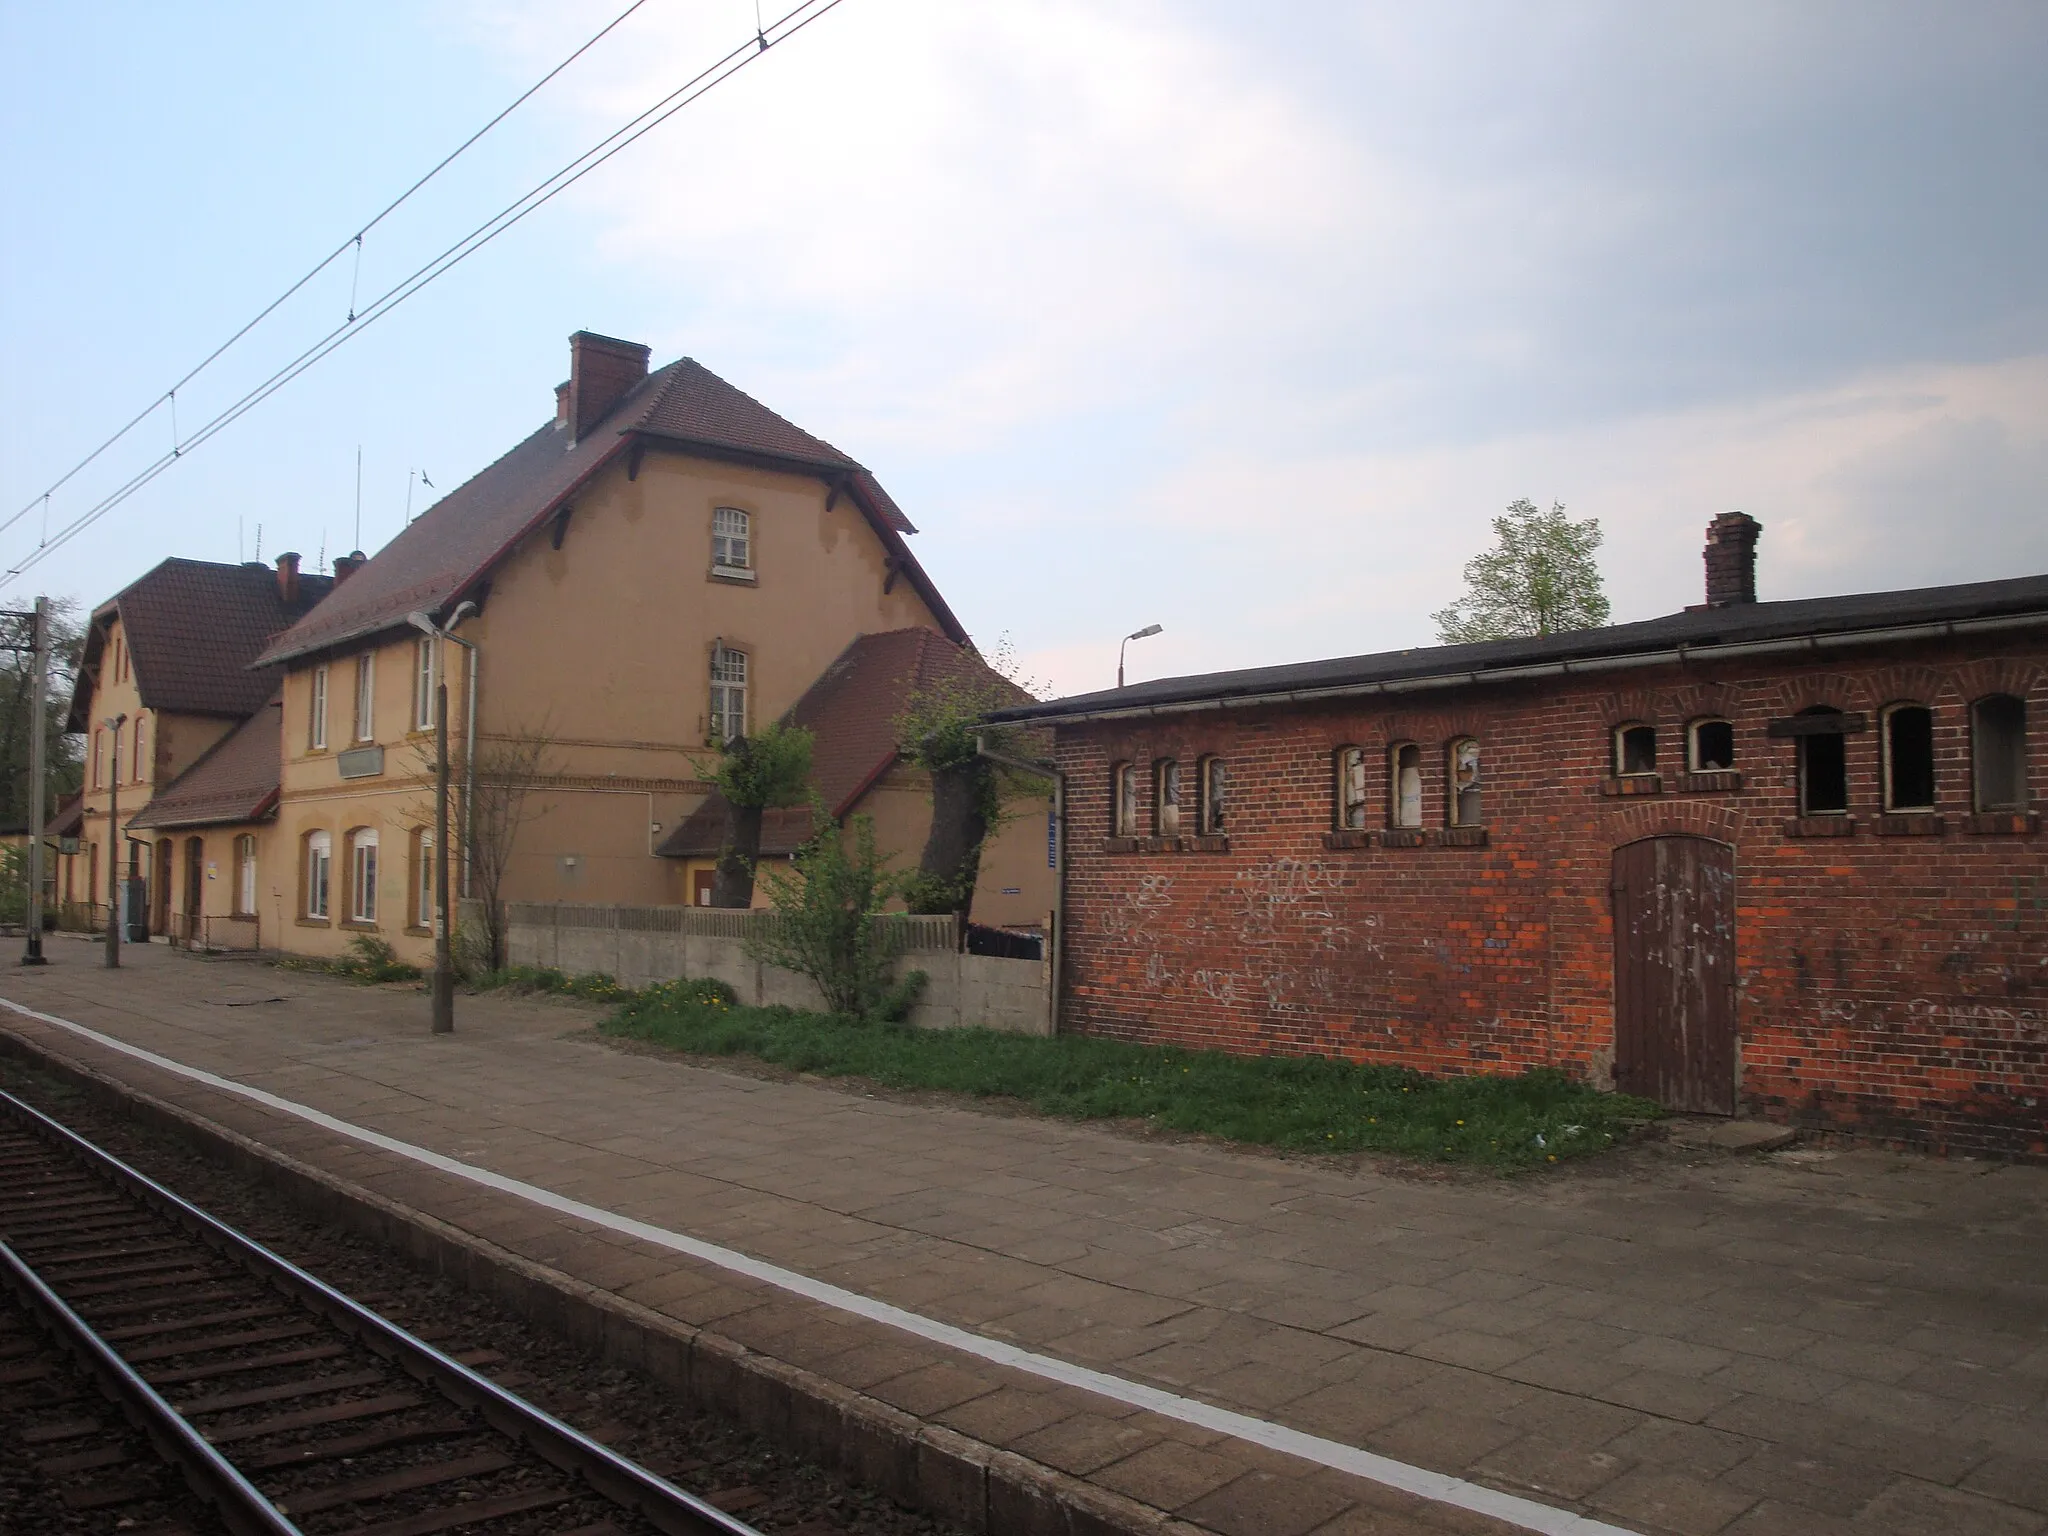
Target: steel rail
[[210, 1475], [665, 1506]]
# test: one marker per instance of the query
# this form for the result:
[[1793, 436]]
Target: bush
[[826, 913], [367, 959]]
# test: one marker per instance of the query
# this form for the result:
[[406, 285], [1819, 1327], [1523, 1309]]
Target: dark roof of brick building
[[193, 629], [235, 781], [851, 713], [1822, 623], [452, 546]]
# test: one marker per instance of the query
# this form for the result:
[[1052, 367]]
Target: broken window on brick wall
[[1710, 746], [1123, 800], [1998, 751], [1464, 776], [1635, 749], [1404, 785], [1909, 758], [1212, 785], [1350, 787], [1823, 765], [1166, 797]]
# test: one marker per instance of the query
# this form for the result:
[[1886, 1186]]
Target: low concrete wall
[[639, 946]]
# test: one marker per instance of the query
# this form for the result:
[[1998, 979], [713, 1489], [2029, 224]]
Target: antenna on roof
[[259, 541], [320, 564], [359, 502]]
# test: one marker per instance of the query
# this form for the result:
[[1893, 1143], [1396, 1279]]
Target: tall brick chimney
[[1731, 559], [562, 404], [346, 566], [601, 371], [288, 577]]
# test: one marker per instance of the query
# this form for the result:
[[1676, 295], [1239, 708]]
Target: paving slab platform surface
[[1802, 1342]]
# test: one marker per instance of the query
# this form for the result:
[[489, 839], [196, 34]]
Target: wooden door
[[160, 883], [700, 887], [1674, 973]]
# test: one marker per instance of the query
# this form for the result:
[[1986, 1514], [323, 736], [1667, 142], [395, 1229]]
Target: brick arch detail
[[1906, 684], [1696, 818], [2013, 675], [1842, 690]]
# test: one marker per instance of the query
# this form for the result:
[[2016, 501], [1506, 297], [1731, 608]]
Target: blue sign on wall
[[1052, 839]]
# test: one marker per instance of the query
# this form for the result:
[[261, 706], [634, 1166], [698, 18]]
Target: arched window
[[1998, 753], [1212, 785], [728, 694], [319, 869], [1348, 786], [1166, 797], [362, 875], [1710, 746], [245, 875], [1909, 758], [732, 543], [1123, 800], [1404, 785], [1823, 765], [1463, 763], [1635, 749]]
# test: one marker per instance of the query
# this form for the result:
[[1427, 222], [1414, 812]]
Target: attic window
[[1635, 749], [1998, 747], [1711, 744], [732, 542]]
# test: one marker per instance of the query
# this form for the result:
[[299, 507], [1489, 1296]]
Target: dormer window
[[732, 544], [1635, 749]]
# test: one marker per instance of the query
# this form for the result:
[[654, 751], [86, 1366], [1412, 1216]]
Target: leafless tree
[[487, 810]]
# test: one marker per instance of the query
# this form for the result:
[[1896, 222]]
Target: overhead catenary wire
[[355, 240], [706, 80]]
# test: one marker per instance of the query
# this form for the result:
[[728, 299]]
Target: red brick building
[[1780, 858]]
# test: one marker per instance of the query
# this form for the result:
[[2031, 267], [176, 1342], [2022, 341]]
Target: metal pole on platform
[[114, 845], [39, 687], [444, 949]]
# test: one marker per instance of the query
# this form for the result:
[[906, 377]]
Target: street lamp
[[114, 882], [1137, 634]]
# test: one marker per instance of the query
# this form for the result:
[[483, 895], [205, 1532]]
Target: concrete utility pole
[[39, 688], [444, 952], [116, 886]]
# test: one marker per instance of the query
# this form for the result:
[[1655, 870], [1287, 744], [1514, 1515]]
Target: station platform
[[1029, 1325]]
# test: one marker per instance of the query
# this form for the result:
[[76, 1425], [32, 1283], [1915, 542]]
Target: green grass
[[1302, 1103], [368, 959]]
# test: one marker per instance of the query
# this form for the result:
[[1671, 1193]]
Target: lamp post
[[114, 881], [1137, 634], [444, 954]]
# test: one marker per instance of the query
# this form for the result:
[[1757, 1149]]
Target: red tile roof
[[193, 629], [235, 781], [451, 547], [851, 712]]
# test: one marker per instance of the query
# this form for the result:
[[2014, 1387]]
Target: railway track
[[283, 1405]]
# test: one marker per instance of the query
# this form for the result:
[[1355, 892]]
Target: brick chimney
[[601, 371], [1731, 559], [562, 404], [346, 566], [288, 577]]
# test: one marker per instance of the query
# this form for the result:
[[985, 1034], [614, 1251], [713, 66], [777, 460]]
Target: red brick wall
[[1890, 985]]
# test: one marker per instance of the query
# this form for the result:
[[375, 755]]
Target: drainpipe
[[469, 667], [1059, 881]]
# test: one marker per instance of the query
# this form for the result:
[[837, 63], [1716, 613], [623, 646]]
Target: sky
[[1241, 322]]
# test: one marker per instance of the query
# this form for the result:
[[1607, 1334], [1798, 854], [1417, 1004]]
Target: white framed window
[[1212, 786], [732, 540], [1463, 762], [1404, 786], [319, 871], [362, 875], [245, 875], [1166, 797], [316, 714], [138, 762], [366, 697], [423, 684], [1350, 787], [1710, 746], [423, 879], [1909, 758], [1998, 753], [1123, 799], [728, 694], [1635, 750]]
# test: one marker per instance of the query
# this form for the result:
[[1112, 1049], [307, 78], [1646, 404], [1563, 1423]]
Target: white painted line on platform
[[1420, 1481]]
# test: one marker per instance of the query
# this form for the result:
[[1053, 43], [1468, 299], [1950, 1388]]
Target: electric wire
[[355, 240], [543, 192]]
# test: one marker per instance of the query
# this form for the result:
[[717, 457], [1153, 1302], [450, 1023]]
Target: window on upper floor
[[120, 659], [316, 714], [1635, 749], [1348, 784], [1710, 746], [1212, 786], [366, 697], [1404, 785], [138, 764], [99, 760], [1166, 797], [1123, 800], [423, 684], [728, 694], [1998, 753], [1462, 763], [732, 540], [1909, 758], [1823, 764]]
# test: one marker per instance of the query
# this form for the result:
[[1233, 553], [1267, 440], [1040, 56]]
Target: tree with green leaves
[[755, 774], [64, 762], [829, 922], [1540, 578]]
